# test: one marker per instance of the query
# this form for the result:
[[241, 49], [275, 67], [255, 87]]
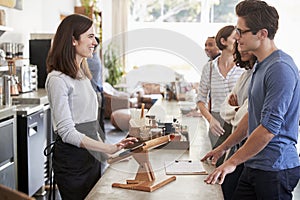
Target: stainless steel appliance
[[27, 75], [40, 97], [8, 168], [50, 138], [31, 141], [24, 75], [6, 90]]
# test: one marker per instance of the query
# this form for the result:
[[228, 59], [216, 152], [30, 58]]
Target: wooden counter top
[[184, 187], [7, 111], [35, 97]]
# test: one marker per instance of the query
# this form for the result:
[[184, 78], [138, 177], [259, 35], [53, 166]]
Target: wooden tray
[[182, 143]]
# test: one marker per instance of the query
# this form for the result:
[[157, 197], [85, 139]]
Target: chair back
[[7, 193]]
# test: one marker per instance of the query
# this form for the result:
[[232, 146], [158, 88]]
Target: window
[[212, 11], [198, 19]]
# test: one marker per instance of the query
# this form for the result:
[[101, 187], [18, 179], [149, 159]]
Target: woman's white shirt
[[72, 101], [234, 114], [219, 86]]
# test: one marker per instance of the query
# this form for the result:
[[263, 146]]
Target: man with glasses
[[270, 155], [240, 32]]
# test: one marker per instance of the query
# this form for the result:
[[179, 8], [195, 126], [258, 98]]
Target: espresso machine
[[13, 78]]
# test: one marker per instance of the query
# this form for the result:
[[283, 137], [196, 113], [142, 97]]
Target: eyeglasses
[[242, 32]]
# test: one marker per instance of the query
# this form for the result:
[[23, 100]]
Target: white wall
[[179, 46], [37, 16], [43, 16]]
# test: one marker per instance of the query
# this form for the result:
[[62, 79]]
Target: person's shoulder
[[58, 80], [206, 66], [58, 76], [281, 56], [283, 60], [214, 62], [210, 63], [236, 70]]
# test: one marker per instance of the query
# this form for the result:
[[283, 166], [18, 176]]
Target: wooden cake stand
[[145, 179]]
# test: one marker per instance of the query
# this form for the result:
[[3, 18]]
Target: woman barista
[[74, 107]]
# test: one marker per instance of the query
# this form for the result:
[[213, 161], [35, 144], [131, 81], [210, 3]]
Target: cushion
[[151, 88], [120, 119]]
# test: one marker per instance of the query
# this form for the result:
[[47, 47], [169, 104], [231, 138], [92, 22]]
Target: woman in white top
[[217, 80], [74, 107], [235, 105]]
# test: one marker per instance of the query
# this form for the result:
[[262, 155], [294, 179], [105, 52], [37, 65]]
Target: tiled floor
[[113, 136]]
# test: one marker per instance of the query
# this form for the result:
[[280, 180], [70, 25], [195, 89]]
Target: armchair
[[114, 100], [149, 94]]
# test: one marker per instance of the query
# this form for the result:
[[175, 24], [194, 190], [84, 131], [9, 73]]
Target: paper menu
[[184, 167]]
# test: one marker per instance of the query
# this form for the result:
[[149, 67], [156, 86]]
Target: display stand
[[145, 179]]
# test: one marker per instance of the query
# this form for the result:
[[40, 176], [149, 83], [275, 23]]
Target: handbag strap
[[210, 76]]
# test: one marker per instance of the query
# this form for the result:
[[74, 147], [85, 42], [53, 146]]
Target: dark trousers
[[266, 185], [231, 181]]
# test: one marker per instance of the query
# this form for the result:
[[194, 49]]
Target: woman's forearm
[[99, 146], [204, 111], [238, 135]]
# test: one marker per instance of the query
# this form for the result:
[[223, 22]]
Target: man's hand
[[218, 175], [214, 155]]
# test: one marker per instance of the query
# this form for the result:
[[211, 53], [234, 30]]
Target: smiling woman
[[74, 108]]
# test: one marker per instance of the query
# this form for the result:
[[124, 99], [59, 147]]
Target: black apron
[[76, 170]]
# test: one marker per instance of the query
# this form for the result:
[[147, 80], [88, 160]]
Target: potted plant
[[86, 8], [113, 65]]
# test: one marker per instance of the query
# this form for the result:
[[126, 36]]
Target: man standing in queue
[[270, 155]]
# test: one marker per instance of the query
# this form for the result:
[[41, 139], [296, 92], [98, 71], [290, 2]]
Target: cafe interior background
[[119, 17], [160, 34]]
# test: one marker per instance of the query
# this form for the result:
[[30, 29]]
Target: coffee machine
[[27, 75]]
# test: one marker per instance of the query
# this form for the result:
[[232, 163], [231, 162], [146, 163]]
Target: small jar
[[156, 132], [145, 133]]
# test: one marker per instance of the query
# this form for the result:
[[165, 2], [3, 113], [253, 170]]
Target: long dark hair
[[62, 55], [238, 59]]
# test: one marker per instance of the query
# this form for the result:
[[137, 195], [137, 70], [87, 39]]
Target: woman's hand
[[233, 100], [215, 127], [125, 142]]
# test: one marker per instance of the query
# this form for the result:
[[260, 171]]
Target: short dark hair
[[258, 15], [224, 32]]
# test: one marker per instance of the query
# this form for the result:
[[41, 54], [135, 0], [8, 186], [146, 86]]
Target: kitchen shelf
[[4, 68]]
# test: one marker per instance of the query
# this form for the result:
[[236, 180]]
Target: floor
[[113, 136]]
